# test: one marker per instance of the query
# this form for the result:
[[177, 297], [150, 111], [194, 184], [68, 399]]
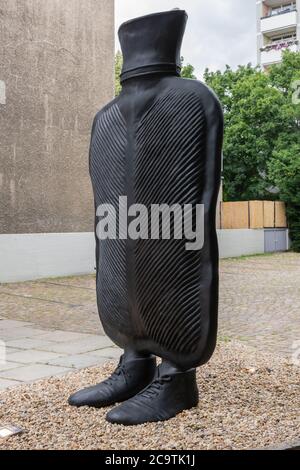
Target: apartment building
[[278, 29]]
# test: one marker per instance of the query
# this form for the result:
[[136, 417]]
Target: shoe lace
[[154, 388], [120, 371]]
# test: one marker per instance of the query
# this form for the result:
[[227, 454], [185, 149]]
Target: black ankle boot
[[129, 378], [168, 394]]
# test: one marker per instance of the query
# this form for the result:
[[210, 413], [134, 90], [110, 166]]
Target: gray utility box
[[276, 240]]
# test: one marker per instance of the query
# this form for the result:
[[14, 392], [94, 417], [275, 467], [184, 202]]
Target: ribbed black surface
[[169, 169], [108, 177]]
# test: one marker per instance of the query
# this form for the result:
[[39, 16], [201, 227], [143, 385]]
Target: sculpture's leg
[[172, 391], [134, 372]]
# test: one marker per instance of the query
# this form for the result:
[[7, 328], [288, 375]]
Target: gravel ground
[[247, 400]]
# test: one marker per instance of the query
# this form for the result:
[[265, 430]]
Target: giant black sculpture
[[158, 142]]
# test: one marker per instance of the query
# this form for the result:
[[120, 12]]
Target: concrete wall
[[241, 242], [278, 22], [33, 256], [56, 71]]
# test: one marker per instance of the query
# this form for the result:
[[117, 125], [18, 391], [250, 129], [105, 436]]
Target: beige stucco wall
[[56, 71]]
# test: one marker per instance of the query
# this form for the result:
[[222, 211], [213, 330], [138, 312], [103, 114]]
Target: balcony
[[284, 20], [272, 54]]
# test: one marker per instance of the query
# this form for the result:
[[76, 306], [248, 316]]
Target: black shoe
[[163, 399], [129, 378]]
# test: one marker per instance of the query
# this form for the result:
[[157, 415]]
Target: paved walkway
[[51, 326], [260, 302], [30, 353]]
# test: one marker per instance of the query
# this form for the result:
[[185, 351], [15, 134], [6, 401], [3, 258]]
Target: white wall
[[278, 22], [241, 242], [33, 256], [273, 56]]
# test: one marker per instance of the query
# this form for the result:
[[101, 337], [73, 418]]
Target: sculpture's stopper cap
[[152, 43]]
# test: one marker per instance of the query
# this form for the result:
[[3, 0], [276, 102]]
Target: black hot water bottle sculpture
[[159, 142]]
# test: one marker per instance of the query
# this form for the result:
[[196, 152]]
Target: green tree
[[253, 119], [261, 142], [118, 69], [284, 169], [188, 71], [284, 166], [223, 83], [282, 75]]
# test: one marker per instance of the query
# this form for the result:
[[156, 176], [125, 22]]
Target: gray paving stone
[[5, 384], [14, 324], [11, 334], [19, 332], [110, 353], [28, 343], [10, 351], [63, 336], [33, 372], [78, 361], [76, 347], [9, 365], [31, 356]]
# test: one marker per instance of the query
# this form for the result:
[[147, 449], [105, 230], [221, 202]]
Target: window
[[283, 9], [284, 37]]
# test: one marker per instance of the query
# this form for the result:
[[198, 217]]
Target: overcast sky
[[219, 32]]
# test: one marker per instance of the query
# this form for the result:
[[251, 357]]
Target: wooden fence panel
[[269, 214], [280, 215], [256, 214], [253, 215], [235, 215]]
